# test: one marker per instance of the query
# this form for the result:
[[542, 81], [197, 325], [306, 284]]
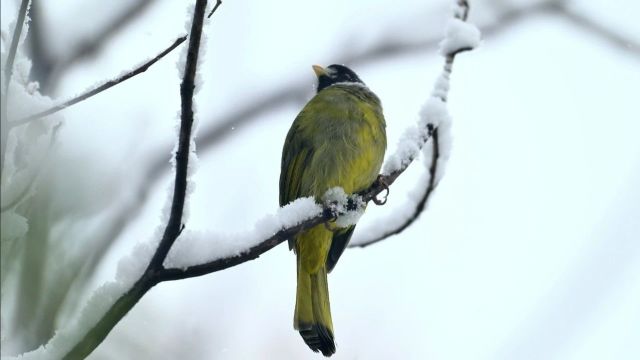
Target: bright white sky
[[528, 250]]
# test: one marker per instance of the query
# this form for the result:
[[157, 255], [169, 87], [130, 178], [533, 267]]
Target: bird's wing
[[296, 155], [338, 244]]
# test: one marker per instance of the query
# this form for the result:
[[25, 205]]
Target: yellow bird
[[337, 140]]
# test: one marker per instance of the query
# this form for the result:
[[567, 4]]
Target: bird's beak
[[319, 70]]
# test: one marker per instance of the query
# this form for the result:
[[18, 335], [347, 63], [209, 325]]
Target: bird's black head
[[335, 74]]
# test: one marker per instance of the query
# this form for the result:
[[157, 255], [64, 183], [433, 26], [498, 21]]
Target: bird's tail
[[313, 315]]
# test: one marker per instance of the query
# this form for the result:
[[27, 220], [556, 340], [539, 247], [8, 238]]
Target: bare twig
[[174, 225], [218, 3], [8, 72], [140, 69]]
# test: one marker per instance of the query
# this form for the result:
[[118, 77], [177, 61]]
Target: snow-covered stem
[[252, 253], [174, 225], [187, 88], [8, 71], [421, 204], [440, 91], [108, 84]]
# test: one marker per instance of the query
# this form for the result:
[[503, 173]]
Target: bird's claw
[[386, 195]]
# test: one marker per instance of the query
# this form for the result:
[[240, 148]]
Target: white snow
[[459, 35], [338, 200], [195, 247], [434, 113]]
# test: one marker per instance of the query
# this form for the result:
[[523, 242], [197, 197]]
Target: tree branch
[[420, 206], [173, 228], [108, 84], [218, 3]]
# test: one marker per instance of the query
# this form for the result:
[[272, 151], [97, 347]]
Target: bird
[[337, 140]]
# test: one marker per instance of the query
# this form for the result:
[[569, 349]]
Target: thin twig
[[218, 3], [140, 69], [172, 231]]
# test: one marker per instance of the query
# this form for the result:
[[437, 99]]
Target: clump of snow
[[193, 248], [338, 201], [459, 35], [407, 149], [434, 114]]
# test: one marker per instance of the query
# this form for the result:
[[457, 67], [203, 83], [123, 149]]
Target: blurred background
[[529, 248]]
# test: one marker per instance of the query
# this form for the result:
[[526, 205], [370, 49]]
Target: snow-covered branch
[[434, 123], [104, 86]]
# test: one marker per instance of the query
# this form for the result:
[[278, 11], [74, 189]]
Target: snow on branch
[[98, 89], [434, 123]]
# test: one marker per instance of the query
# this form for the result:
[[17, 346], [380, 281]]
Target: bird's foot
[[385, 186]]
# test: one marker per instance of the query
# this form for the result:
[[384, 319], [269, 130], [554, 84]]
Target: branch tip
[[218, 3]]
